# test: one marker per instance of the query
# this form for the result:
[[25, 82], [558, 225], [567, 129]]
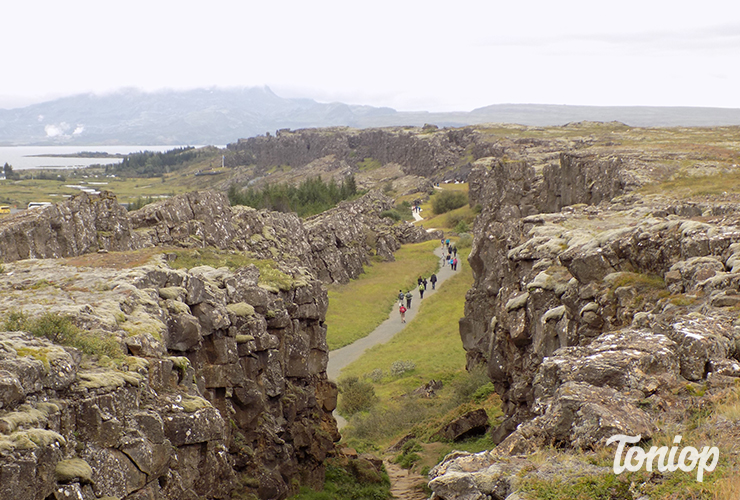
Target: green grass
[[357, 308], [344, 483], [270, 275], [431, 343], [691, 186], [431, 340]]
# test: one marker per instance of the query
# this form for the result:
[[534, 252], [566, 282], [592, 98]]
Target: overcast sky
[[409, 55]]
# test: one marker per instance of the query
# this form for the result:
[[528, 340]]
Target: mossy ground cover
[[270, 274], [357, 308]]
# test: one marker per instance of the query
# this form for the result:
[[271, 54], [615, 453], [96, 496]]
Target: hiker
[[449, 259], [402, 310], [454, 251], [454, 264], [400, 295], [433, 279], [442, 242], [447, 242], [421, 290], [424, 281], [419, 281], [408, 299]]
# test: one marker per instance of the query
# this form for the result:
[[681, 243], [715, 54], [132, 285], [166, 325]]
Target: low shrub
[[401, 367], [445, 201], [465, 241], [462, 227], [355, 396], [390, 214]]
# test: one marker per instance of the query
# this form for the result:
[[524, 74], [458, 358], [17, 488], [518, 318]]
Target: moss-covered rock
[[240, 309], [73, 469]]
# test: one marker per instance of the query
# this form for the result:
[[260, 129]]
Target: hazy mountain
[[220, 116]]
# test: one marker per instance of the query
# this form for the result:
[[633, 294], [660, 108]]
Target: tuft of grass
[[62, 330], [270, 274], [356, 308]]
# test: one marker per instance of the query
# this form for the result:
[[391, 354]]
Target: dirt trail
[[405, 485]]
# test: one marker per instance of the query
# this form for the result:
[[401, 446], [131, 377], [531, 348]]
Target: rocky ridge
[[219, 389], [594, 309], [333, 245]]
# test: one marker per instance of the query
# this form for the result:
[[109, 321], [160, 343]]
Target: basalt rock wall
[[334, 245], [596, 312], [179, 384], [222, 392], [423, 152], [551, 277]]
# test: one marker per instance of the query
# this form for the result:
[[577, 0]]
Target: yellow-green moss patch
[[191, 404], [110, 379], [241, 309], [73, 469]]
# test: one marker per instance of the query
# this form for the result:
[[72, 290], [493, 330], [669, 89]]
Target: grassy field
[[355, 309], [431, 341], [429, 348], [127, 189]]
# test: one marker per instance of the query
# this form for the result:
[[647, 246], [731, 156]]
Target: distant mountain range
[[220, 116]]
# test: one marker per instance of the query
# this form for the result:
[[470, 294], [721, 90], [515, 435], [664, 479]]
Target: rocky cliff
[[132, 369], [333, 245], [204, 383], [426, 152], [594, 310]]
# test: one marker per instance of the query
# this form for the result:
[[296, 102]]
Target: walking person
[[421, 290], [454, 251], [433, 280], [454, 264], [408, 299], [402, 310], [400, 295], [442, 242]]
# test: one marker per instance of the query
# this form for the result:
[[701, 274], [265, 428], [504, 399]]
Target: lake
[[26, 157]]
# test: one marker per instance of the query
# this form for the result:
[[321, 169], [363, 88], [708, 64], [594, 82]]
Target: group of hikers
[[422, 286], [451, 257]]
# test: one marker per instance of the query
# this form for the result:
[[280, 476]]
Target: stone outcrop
[[425, 152], [592, 308], [222, 390], [217, 384], [333, 246]]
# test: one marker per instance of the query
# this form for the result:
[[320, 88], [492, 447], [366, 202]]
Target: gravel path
[[340, 358]]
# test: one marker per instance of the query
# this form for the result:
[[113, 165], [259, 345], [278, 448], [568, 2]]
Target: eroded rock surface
[[333, 246], [592, 308], [222, 386], [215, 397]]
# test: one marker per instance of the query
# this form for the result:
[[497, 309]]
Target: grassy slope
[[431, 341], [355, 309]]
